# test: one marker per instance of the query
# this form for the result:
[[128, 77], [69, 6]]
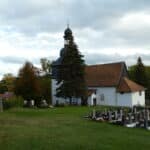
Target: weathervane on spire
[[67, 23]]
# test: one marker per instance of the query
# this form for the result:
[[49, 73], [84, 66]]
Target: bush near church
[[15, 101]]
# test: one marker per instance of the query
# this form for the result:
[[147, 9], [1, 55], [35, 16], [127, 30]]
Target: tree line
[[30, 83]]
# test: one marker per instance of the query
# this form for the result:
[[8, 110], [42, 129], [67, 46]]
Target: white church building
[[108, 84]]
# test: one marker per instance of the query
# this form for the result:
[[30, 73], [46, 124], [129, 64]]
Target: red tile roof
[[105, 75], [127, 85]]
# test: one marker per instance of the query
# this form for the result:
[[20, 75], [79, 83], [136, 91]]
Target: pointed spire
[[68, 37], [68, 23]]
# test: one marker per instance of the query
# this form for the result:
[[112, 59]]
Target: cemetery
[[132, 117]]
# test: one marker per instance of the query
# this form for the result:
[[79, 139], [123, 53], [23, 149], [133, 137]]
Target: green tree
[[140, 73], [9, 80], [45, 80], [3, 87], [45, 88], [71, 77], [27, 83]]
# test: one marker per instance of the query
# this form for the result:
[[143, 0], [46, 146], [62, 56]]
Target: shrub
[[15, 101]]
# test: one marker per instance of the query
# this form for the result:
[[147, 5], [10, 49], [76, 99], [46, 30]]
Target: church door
[[94, 101]]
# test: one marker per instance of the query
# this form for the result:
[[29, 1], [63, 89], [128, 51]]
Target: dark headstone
[[109, 115]]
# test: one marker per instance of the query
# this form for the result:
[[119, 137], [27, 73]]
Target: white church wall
[[131, 99], [138, 98], [53, 88], [89, 101], [104, 96], [124, 99], [54, 98]]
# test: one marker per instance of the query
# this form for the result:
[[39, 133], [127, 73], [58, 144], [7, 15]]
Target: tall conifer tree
[[71, 76], [140, 74]]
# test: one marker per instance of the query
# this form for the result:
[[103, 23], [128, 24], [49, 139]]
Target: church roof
[[105, 75], [127, 85]]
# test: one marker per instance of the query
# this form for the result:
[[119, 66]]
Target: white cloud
[[105, 31], [135, 21]]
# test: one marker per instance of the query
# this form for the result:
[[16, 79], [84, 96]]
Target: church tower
[[68, 37], [56, 65], [68, 84]]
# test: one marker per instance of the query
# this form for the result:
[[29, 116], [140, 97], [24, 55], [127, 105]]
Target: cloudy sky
[[104, 30]]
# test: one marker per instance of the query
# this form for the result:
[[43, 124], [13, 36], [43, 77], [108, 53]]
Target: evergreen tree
[[71, 76], [140, 73]]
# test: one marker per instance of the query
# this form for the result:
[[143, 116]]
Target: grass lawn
[[65, 129]]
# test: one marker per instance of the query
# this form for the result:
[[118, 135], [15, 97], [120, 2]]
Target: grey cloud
[[97, 58], [33, 16], [20, 60], [12, 60]]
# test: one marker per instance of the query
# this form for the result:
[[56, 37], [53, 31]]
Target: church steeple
[[68, 37]]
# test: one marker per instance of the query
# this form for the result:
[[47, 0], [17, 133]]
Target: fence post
[[1, 105]]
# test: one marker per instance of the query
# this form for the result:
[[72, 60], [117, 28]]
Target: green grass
[[65, 129]]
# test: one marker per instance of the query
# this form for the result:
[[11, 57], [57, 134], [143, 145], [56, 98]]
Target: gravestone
[[135, 116], [32, 102], [121, 114], [109, 115], [116, 115], [1, 105], [93, 114], [105, 112], [130, 118], [43, 104], [146, 119], [134, 110], [25, 102]]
